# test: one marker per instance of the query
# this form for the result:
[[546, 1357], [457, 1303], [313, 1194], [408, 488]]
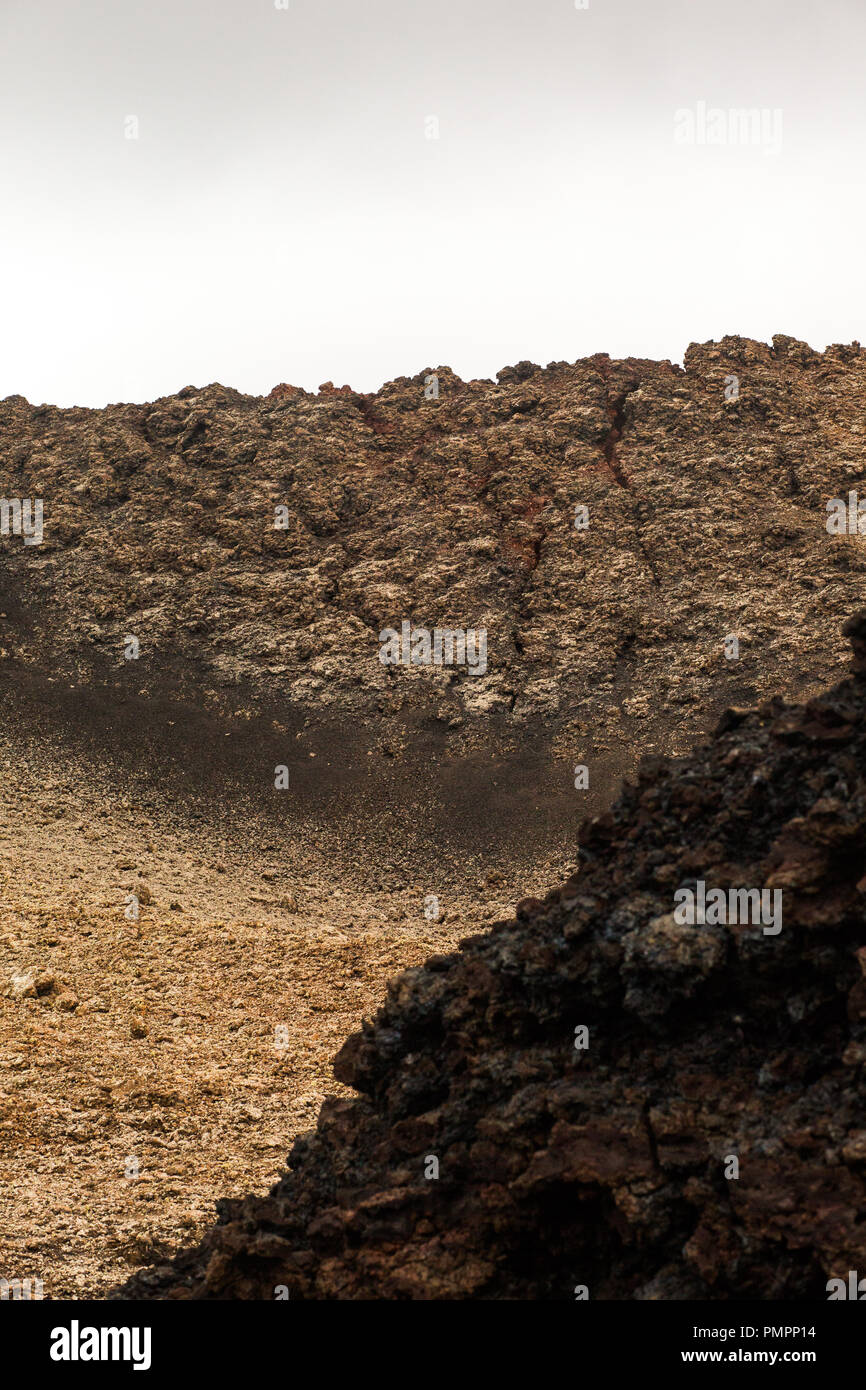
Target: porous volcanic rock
[[706, 508], [610, 1166]]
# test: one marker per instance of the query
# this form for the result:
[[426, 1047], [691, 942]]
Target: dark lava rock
[[490, 1155]]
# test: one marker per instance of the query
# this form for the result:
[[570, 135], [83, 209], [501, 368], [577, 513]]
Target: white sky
[[282, 216]]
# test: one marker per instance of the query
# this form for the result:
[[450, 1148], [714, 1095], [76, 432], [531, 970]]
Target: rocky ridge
[[706, 517]]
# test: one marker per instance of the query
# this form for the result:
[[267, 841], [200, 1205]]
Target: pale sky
[[282, 215]]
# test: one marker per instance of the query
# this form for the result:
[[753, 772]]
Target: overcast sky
[[285, 215]]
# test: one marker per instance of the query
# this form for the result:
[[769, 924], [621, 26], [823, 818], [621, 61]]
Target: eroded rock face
[[706, 508], [610, 1166]]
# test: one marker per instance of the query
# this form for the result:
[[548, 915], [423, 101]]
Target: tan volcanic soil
[[156, 1039]]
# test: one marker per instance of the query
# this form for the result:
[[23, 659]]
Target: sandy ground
[[151, 1067]]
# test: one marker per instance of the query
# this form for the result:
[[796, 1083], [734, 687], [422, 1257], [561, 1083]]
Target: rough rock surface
[[259, 647], [609, 1167], [706, 518]]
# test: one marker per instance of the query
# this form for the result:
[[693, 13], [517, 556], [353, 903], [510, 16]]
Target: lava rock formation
[[609, 1167], [705, 512]]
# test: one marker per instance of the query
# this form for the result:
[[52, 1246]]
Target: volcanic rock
[[645, 546], [599, 1095], [705, 518]]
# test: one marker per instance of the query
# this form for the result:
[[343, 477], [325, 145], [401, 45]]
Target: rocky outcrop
[[599, 1096], [256, 547]]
